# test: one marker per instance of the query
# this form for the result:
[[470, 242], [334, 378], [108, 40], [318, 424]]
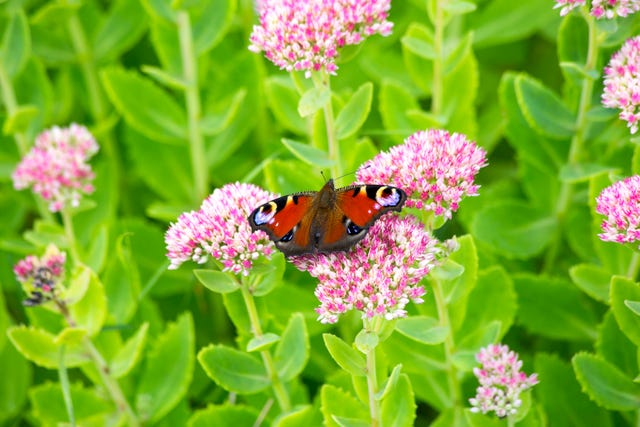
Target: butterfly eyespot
[[387, 196], [287, 237], [352, 229], [265, 214]]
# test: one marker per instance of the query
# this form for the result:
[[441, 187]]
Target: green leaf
[[168, 370], [543, 109], [633, 306], [224, 416], [300, 416], [493, 300], [355, 112], [570, 405], [217, 281], [346, 356], [593, 280], [313, 100], [129, 354], [40, 347], [90, 408], [614, 346], [394, 101], [308, 154], [267, 274], [125, 23], [334, 402], [212, 23], [623, 289], [605, 384], [14, 382], [514, 228], [420, 44], [292, 352], [145, 106], [233, 370], [366, 341], [398, 408], [554, 308], [220, 115], [459, 7], [16, 44], [283, 98], [20, 119], [263, 342], [90, 312], [582, 172], [423, 329], [70, 336], [164, 77]]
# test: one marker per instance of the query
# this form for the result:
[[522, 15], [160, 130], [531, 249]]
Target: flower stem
[[70, 235], [110, 383], [190, 76], [634, 266], [449, 345], [333, 145], [437, 85], [372, 379], [278, 388], [577, 141], [64, 385]]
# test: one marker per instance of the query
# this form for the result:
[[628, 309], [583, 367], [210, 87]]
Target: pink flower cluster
[[307, 34], [607, 9], [39, 276], [501, 381], [380, 275], [220, 230], [436, 169], [622, 83], [56, 167], [620, 203]]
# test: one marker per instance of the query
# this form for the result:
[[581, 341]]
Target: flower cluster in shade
[[501, 381], [57, 166], [622, 83], [307, 34], [607, 9], [40, 276], [434, 167], [219, 229], [620, 204], [378, 276]]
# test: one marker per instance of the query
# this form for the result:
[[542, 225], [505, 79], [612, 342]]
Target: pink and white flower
[[40, 276], [622, 83], [620, 203]]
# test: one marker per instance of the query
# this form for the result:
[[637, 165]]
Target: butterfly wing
[[356, 209], [286, 220]]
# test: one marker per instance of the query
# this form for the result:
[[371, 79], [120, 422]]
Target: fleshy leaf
[[292, 352], [355, 112], [346, 356], [423, 329], [129, 354], [233, 369], [217, 281]]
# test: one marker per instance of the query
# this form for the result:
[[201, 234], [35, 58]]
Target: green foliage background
[[150, 76]]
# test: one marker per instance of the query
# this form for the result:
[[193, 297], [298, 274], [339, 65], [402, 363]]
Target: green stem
[[372, 378], [278, 388], [64, 385], [634, 266], [449, 344], [321, 80], [110, 383], [190, 75], [437, 85], [577, 141], [70, 234]]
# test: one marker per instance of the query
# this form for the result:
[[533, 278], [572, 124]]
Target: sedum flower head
[[220, 230], [622, 83], [607, 9], [56, 168], [380, 275], [501, 381], [436, 169], [620, 203], [307, 34], [40, 276]]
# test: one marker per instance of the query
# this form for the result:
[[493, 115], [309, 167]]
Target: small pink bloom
[[609, 9], [622, 83], [380, 275], [620, 203], [566, 6], [56, 168], [220, 230], [40, 276], [307, 34], [501, 381], [436, 169]]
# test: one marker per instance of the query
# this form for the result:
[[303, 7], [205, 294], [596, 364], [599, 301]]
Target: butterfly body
[[327, 220]]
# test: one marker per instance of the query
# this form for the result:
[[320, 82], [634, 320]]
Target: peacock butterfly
[[327, 220]]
